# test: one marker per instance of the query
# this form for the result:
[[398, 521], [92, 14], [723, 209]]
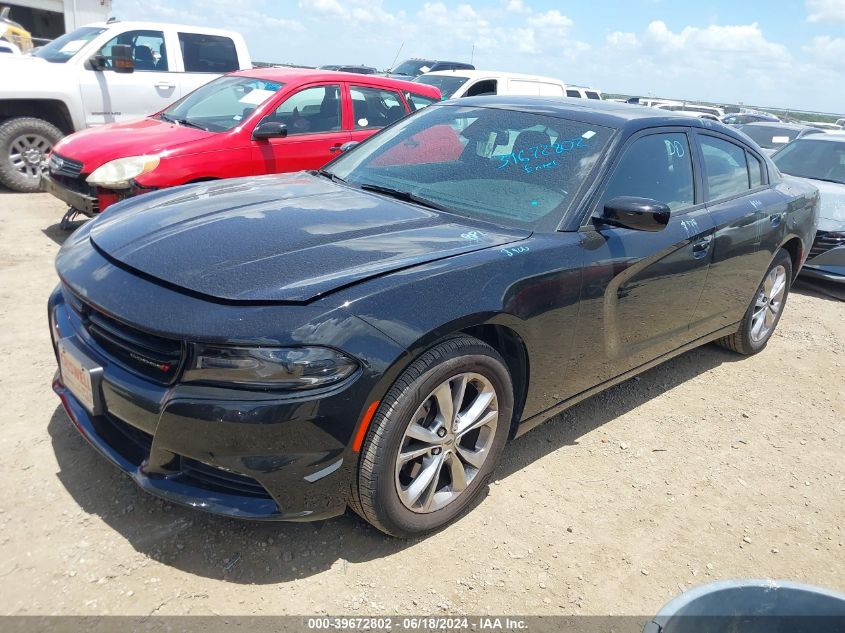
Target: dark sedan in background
[[372, 334], [820, 159]]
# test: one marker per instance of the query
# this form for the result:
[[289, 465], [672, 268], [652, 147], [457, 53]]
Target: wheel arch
[[51, 110], [795, 247]]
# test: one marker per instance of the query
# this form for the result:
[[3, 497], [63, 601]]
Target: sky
[[780, 53]]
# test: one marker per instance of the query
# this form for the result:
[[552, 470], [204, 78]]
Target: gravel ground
[[708, 467]]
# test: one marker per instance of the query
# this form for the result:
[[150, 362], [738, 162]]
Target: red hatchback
[[247, 123]]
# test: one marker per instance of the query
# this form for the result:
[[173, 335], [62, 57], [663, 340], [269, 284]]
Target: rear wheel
[[766, 308], [435, 439], [25, 143]]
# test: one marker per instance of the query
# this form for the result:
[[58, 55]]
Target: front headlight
[[289, 368], [117, 173]]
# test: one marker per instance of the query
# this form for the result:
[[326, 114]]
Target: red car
[[247, 123]]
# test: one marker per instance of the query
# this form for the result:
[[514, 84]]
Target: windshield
[[808, 158], [769, 136], [222, 104], [63, 48], [512, 168], [448, 84], [413, 67]]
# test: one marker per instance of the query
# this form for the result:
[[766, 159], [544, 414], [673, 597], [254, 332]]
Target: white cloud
[[826, 10], [826, 51]]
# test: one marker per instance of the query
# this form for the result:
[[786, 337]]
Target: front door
[[315, 131], [110, 97], [640, 289]]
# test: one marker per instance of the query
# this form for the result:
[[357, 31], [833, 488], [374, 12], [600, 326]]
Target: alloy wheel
[[768, 305], [446, 442], [28, 153]]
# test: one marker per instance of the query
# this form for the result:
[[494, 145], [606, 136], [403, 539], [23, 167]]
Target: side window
[[483, 87], [208, 53], [148, 50], [592, 94], [375, 107], [310, 110], [657, 166], [755, 171], [573, 93], [418, 102], [725, 167]]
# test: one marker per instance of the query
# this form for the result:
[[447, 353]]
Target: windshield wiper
[[407, 196], [325, 173], [184, 122]]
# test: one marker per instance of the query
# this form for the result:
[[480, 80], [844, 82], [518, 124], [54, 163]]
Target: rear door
[[110, 97], [748, 216], [640, 289], [314, 118], [373, 108]]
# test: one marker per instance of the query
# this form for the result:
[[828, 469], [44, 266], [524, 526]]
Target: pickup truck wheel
[[25, 143]]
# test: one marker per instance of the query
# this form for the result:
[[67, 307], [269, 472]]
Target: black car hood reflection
[[295, 240]]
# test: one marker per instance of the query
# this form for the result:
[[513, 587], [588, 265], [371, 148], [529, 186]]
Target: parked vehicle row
[[372, 334], [262, 121], [98, 74]]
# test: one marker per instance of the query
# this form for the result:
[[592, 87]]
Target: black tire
[[29, 128], [375, 498], [742, 341]]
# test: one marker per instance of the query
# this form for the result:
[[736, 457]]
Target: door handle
[[164, 85], [700, 247], [775, 219], [335, 148]]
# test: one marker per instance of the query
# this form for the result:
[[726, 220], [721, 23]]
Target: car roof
[[608, 113], [157, 26], [483, 74], [288, 75]]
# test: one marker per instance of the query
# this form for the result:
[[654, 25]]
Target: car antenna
[[472, 54], [397, 56]]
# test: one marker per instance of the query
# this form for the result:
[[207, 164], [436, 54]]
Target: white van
[[454, 84]]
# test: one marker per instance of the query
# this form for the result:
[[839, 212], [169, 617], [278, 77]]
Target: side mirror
[[269, 129], [121, 58], [640, 214]]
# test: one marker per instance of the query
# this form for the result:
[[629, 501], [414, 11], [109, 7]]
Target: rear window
[[208, 53], [447, 84], [769, 136]]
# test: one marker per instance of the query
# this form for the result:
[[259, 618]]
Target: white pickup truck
[[101, 73]]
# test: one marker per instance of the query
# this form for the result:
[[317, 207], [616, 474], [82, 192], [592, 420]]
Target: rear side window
[[208, 53], [375, 107], [755, 171], [725, 166], [573, 93], [592, 94], [657, 166], [483, 87], [418, 102]]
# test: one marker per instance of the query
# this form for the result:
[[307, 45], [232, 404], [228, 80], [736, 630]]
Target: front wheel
[[435, 439], [25, 143], [766, 308]]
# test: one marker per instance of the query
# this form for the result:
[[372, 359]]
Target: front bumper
[[89, 205], [234, 453]]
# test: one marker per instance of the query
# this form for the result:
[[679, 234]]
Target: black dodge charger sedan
[[371, 335]]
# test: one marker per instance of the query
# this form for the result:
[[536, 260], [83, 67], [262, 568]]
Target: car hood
[[832, 212], [99, 145], [281, 238]]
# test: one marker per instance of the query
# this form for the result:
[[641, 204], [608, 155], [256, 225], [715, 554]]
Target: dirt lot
[[709, 467]]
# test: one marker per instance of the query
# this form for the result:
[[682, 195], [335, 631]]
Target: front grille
[[151, 356], [211, 478], [826, 240], [62, 166]]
